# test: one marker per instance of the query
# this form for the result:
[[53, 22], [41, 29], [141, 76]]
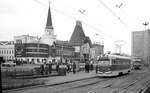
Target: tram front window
[[104, 62]]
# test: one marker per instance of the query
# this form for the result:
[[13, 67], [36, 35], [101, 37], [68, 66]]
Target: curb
[[36, 76], [59, 83]]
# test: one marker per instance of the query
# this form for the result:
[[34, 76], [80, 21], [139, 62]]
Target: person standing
[[85, 67], [68, 67], [91, 66], [50, 67], [74, 68], [42, 69], [88, 67], [46, 69], [57, 67]]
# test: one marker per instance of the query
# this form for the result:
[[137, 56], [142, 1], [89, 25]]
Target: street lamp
[[145, 43], [145, 24], [62, 51]]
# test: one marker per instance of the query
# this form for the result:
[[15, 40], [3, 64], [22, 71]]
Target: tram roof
[[117, 56]]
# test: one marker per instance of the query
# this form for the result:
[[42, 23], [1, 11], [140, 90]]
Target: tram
[[137, 63], [113, 65]]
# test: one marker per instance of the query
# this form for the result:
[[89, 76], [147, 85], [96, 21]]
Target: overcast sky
[[21, 17]]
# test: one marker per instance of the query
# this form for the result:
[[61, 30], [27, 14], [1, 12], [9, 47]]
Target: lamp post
[[62, 51], [38, 49], [146, 57]]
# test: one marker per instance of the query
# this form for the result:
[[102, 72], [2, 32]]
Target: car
[[9, 63]]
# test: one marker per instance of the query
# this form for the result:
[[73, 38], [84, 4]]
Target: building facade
[[62, 50], [25, 39], [96, 50], [141, 45], [31, 52], [7, 50], [80, 42]]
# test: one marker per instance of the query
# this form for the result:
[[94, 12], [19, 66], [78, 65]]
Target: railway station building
[[81, 43]]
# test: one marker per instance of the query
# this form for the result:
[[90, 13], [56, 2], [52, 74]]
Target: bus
[[113, 65]]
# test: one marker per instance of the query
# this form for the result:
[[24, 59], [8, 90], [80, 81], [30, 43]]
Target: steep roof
[[78, 35], [87, 40], [49, 20]]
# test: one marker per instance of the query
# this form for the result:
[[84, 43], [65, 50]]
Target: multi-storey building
[[141, 45], [62, 50], [25, 39], [7, 50], [96, 51], [46, 48], [31, 52]]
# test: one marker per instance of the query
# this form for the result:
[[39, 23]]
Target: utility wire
[[74, 18], [113, 13]]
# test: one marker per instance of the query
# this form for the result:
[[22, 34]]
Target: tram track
[[110, 86], [143, 89], [106, 85], [80, 85], [93, 85], [103, 79], [125, 88], [52, 85]]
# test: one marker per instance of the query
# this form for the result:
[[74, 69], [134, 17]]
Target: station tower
[[49, 37]]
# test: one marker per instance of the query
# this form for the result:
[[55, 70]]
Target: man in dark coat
[[88, 67], [50, 67], [85, 67], [74, 68], [57, 66], [91, 66], [68, 67], [42, 69]]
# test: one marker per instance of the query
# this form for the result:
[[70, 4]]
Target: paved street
[[130, 83]]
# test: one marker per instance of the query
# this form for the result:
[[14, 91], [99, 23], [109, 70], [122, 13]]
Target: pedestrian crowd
[[46, 68]]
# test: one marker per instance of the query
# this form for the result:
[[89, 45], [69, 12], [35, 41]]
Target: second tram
[[113, 65]]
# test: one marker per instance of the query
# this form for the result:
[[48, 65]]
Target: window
[[113, 61], [19, 41]]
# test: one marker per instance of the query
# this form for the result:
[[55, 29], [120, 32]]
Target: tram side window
[[113, 61], [117, 61]]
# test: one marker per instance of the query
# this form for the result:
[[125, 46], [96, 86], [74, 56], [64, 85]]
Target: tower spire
[[49, 19]]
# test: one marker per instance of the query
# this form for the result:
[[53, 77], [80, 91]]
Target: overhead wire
[[114, 14], [74, 18]]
